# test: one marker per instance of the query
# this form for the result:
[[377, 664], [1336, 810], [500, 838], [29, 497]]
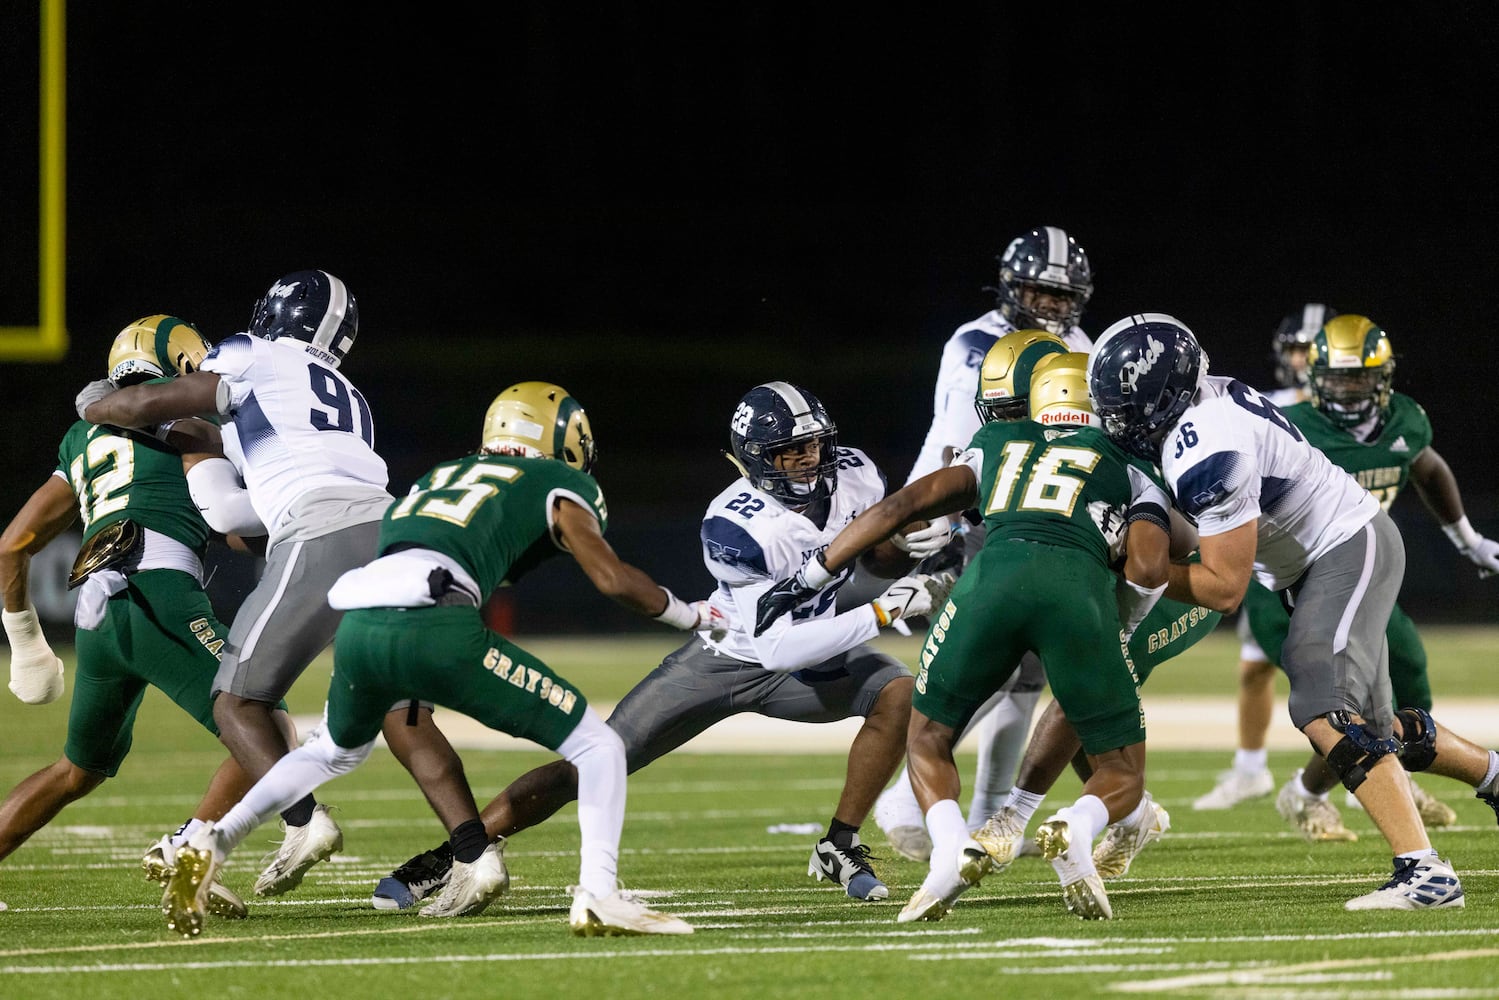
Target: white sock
[[185, 831], [1429, 852], [944, 821], [1300, 789], [1251, 761], [1025, 804], [599, 755], [1136, 816], [1491, 774], [1087, 816]]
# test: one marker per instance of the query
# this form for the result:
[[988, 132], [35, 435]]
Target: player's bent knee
[[1354, 756], [1418, 739], [592, 735], [335, 759]]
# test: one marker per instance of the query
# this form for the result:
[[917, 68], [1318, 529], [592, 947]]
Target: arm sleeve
[[789, 645], [222, 499]]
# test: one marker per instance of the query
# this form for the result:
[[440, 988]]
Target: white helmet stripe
[[338, 307], [801, 410], [1056, 246]]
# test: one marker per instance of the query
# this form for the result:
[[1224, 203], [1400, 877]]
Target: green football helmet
[[539, 420], [1005, 376], [155, 347]]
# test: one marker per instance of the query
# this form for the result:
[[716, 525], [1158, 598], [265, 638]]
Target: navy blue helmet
[[1045, 281], [768, 420], [313, 307], [1143, 375]]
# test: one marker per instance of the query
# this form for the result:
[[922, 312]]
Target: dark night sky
[[660, 207]]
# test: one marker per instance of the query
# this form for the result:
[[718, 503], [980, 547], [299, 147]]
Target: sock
[[1491, 775], [185, 831], [1088, 816], [469, 841], [1025, 804], [1299, 787], [1429, 852], [840, 833], [944, 821], [1136, 816], [299, 813], [1251, 761]]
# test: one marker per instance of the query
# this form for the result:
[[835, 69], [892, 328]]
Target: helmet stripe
[[566, 407], [163, 343], [1056, 246], [801, 410], [333, 317]]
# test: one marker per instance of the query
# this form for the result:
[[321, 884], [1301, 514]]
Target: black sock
[[469, 841], [841, 834], [299, 813]]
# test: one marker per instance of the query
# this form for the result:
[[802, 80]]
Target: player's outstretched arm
[[36, 673], [578, 532]]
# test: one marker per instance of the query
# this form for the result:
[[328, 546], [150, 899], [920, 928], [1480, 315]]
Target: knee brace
[[1352, 757], [1418, 740]]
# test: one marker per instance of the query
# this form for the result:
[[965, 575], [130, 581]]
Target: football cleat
[[848, 866], [1003, 837], [472, 886], [1314, 818], [415, 880], [303, 847], [193, 872], [1082, 889], [1490, 799], [1121, 844], [1427, 883], [159, 863], [1234, 787], [618, 914], [899, 818], [936, 902]]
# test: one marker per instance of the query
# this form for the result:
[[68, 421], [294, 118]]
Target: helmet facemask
[[1045, 281], [785, 444], [1352, 368]]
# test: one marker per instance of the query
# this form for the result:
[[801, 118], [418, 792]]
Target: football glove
[[1483, 552], [788, 593], [91, 394], [912, 597], [926, 541], [35, 671]]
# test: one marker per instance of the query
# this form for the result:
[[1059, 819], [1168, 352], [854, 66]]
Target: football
[[887, 561]]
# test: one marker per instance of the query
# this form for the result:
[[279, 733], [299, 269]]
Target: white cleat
[[618, 914], [1427, 883], [973, 863], [1116, 852], [899, 818], [1234, 787], [1082, 889], [303, 847], [1003, 837], [473, 886]]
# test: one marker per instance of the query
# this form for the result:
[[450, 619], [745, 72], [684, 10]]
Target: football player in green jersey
[[1041, 582], [414, 635], [1383, 438], [143, 617]]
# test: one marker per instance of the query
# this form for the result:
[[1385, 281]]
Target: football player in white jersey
[[299, 466], [1249, 777], [1268, 504], [797, 488], [1045, 281]]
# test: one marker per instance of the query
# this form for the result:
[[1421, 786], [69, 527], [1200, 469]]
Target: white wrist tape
[[678, 613], [24, 631], [815, 572], [1461, 534]]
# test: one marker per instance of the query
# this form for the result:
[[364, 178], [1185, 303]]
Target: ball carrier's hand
[[788, 593]]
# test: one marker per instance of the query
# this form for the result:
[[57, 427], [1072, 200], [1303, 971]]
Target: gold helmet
[[539, 420], [1059, 391], [1352, 368], [155, 347], [1005, 377]]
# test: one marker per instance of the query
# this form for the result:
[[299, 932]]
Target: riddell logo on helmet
[[1129, 375], [1063, 417]]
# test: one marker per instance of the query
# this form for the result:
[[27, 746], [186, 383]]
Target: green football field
[[1228, 904]]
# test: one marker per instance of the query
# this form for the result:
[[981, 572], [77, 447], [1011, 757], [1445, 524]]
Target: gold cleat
[[1082, 889], [1053, 838], [184, 901], [923, 906], [1002, 836], [1314, 818], [222, 901]]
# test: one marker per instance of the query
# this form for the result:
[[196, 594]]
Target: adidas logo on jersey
[[1400, 445]]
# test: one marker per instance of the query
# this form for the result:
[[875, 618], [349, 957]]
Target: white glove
[[912, 597], [91, 394], [1482, 551], [35, 671], [699, 616], [923, 542]]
